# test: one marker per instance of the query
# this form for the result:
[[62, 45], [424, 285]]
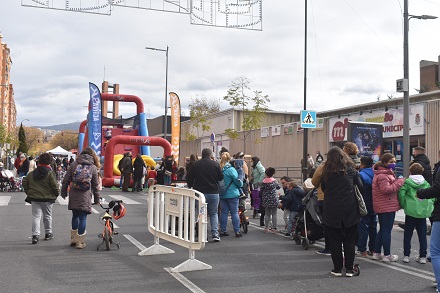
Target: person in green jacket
[[416, 212], [42, 189]]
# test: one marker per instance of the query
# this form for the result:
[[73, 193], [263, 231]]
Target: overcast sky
[[355, 54]]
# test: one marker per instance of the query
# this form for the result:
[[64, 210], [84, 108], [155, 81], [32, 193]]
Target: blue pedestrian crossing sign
[[308, 119]]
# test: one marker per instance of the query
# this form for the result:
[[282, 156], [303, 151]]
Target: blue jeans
[[229, 205], [212, 200], [167, 180], [435, 251], [79, 219], [367, 228], [420, 225], [292, 216], [383, 238]]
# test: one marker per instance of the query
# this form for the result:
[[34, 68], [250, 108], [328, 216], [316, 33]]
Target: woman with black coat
[[341, 213], [139, 169]]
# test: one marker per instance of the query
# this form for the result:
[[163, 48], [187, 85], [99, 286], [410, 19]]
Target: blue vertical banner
[[95, 119]]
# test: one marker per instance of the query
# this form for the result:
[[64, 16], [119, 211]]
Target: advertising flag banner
[[175, 125], [95, 119]]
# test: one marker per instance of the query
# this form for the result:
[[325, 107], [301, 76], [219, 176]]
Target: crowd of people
[[225, 184]]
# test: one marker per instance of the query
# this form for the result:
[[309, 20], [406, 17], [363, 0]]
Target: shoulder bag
[[360, 199]]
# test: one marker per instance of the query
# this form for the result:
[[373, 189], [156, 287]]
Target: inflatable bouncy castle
[[111, 138]]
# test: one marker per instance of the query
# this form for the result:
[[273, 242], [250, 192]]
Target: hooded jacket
[[41, 185], [79, 199], [413, 206], [385, 188], [231, 175], [258, 174]]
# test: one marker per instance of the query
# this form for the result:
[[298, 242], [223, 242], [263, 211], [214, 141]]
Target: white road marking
[[4, 200], [184, 281], [62, 201], [135, 242], [392, 265]]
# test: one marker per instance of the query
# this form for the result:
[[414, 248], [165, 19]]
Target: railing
[[292, 172], [177, 215]]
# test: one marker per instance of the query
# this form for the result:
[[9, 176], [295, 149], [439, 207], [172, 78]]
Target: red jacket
[[385, 188]]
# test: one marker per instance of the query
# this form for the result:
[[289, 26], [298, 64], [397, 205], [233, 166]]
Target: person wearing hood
[[81, 193], [385, 204], [367, 227], [416, 212], [230, 199], [42, 189]]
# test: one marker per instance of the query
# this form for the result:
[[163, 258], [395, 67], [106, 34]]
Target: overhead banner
[[94, 119], [175, 125]]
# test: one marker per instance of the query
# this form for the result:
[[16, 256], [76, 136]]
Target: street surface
[[257, 262]]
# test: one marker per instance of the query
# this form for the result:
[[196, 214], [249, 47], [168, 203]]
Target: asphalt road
[[257, 262]]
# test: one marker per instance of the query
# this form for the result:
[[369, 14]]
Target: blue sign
[[308, 119], [212, 137], [94, 119]]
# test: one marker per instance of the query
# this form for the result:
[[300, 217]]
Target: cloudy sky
[[355, 54]]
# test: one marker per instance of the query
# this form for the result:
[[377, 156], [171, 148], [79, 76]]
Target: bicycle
[[106, 220]]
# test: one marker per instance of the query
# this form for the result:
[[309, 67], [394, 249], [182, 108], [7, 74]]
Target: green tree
[[251, 102], [22, 144], [199, 110]]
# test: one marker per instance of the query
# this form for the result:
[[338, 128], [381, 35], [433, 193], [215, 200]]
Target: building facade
[[279, 142], [7, 104]]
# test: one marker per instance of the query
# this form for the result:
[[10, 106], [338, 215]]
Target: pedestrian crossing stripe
[[308, 119], [4, 200]]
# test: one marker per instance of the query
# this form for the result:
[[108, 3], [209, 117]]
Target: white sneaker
[[391, 257], [406, 259], [421, 260], [377, 256]]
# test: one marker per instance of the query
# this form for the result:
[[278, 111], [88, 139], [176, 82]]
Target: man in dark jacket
[[204, 176], [422, 159], [126, 170], [434, 192]]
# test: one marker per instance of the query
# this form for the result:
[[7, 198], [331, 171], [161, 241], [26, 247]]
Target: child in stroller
[[7, 180], [308, 226]]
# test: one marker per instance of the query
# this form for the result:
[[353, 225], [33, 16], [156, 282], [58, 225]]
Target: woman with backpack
[[83, 174]]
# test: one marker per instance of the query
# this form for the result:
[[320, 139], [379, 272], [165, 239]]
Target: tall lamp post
[[305, 130], [406, 139], [165, 120]]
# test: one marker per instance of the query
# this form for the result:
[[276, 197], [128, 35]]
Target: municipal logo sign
[[308, 119]]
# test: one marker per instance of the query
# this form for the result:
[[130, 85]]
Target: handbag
[[167, 173], [361, 203]]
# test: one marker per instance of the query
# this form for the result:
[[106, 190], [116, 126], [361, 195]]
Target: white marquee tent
[[62, 152]]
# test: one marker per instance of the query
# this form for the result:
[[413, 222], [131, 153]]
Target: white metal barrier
[[176, 215]]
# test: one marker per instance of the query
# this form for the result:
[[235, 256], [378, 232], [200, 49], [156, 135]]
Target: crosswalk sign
[[308, 119]]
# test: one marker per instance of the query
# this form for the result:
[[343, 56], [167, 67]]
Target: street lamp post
[[406, 138], [165, 120], [305, 130]]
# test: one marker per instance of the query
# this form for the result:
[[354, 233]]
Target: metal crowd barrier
[[177, 215]]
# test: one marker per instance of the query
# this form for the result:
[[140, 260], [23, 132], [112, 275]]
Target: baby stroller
[[308, 226]]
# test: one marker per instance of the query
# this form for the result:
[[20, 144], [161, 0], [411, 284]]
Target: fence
[[177, 215]]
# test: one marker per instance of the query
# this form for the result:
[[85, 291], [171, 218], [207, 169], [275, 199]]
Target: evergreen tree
[[22, 141]]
